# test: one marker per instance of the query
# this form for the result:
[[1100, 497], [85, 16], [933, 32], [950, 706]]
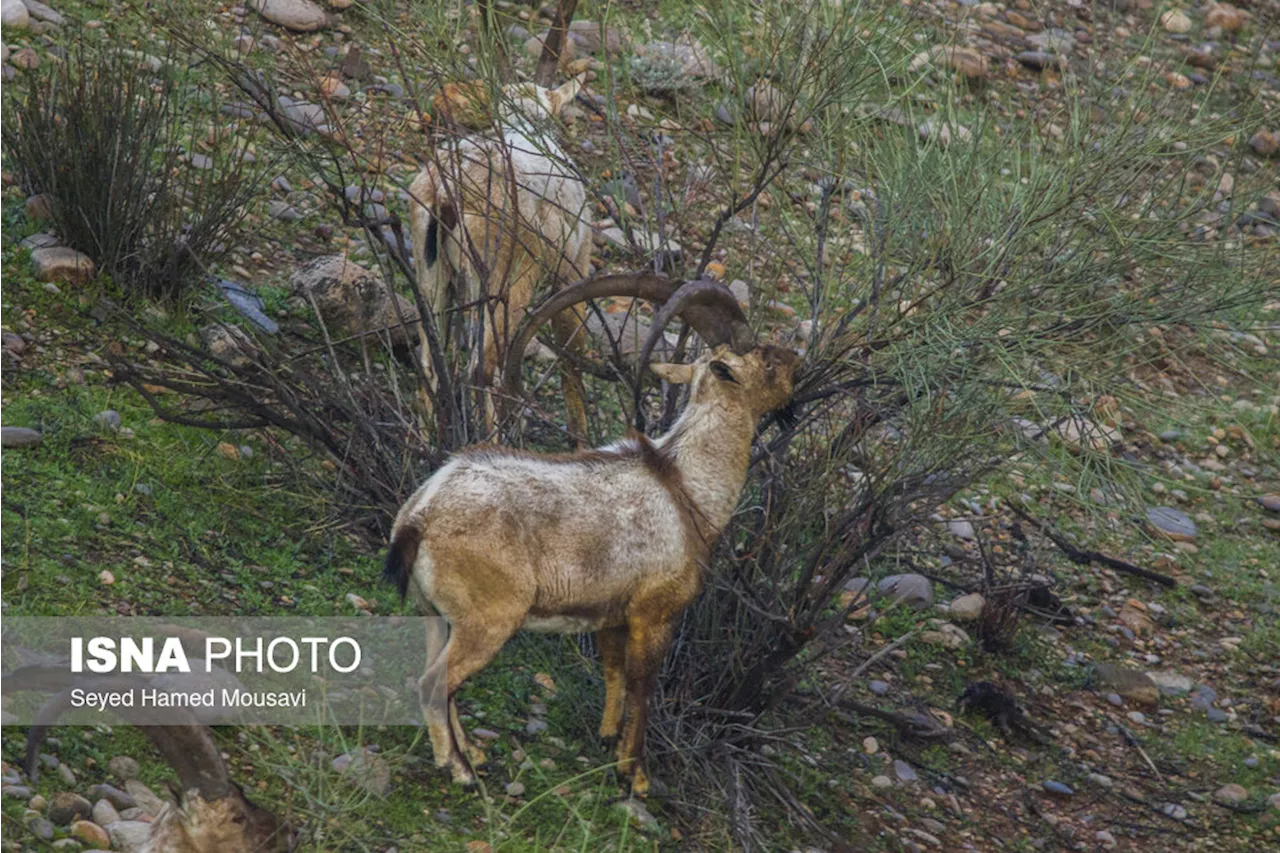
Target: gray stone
[[301, 16], [129, 836], [41, 12], [904, 771], [229, 343], [1100, 780], [1174, 811], [1204, 698], [879, 688], [1271, 503], [113, 795], [60, 264], [1039, 60], [1173, 523], [1057, 788], [1171, 683], [144, 798], [283, 211], [109, 419], [910, 589], [961, 529], [1128, 683], [515, 789], [104, 813], [124, 767], [17, 792], [14, 15], [535, 727], [1231, 794], [41, 240], [967, 608], [41, 828], [15, 437]]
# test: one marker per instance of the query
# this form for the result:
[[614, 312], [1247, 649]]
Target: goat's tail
[[401, 558]]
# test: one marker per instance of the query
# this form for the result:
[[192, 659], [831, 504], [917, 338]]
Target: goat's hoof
[[639, 784], [462, 775]]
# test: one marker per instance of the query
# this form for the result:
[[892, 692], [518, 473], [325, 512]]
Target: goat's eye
[[722, 371]]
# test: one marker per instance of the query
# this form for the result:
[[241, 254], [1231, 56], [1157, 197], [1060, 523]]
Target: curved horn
[[189, 747], [697, 298], [717, 319]]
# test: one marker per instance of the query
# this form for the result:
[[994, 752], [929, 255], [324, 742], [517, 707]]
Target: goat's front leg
[[646, 645], [613, 659]]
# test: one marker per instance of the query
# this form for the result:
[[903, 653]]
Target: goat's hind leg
[[473, 642]]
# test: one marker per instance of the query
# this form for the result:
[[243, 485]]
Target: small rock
[[129, 836], [1128, 683], [41, 828], [66, 808], [1174, 811], [515, 789], [124, 767], [1271, 503], [877, 687], [1106, 839], [1265, 143], [486, 734], [913, 590], [639, 815], [967, 608], [14, 15], [15, 437], [115, 796], [109, 419], [61, 264], [104, 813], [91, 834], [1231, 794], [1175, 21], [17, 792], [1172, 683], [1100, 780], [1227, 17], [1057, 789], [870, 745], [1173, 523], [1039, 60], [881, 782], [535, 727], [904, 771], [961, 529], [301, 16]]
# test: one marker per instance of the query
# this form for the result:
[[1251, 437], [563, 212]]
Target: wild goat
[[510, 211], [612, 540], [212, 814]]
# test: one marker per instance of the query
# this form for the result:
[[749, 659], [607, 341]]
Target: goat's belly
[[563, 624]]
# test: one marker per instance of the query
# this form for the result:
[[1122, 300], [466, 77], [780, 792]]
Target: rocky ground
[[1130, 715]]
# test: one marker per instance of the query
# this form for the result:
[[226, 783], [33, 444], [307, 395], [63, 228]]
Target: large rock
[[129, 836], [912, 590], [67, 807], [967, 608], [301, 16], [91, 834], [61, 264], [1171, 683], [1129, 683], [14, 15], [14, 437], [354, 300], [41, 12], [1173, 523]]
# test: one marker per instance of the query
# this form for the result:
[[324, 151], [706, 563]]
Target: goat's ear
[[676, 374], [565, 94], [722, 371]]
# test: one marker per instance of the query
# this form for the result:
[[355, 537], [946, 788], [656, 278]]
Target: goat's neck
[[711, 444]]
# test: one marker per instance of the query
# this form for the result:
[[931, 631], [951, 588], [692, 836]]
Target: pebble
[[109, 419], [67, 807], [41, 828], [879, 688], [904, 771], [1174, 811], [870, 745], [881, 782], [104, 813], [91, 834], [1057, 788], [1100, 780], [1173, 523], [1231, 794], [535, 726], [967, 608], [113, 795], [515, 789]]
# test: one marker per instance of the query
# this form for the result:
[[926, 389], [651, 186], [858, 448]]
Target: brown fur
[[612, 540]]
